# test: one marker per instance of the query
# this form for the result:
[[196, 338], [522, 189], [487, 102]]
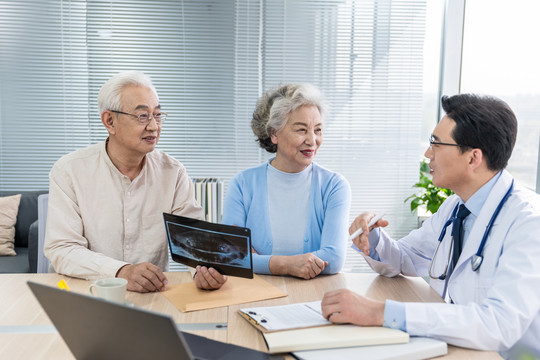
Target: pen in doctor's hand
[[372, 222]]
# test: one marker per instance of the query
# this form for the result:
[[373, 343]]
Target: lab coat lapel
[[477, 232]]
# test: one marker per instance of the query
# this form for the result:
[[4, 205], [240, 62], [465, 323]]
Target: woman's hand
[[305, 266]]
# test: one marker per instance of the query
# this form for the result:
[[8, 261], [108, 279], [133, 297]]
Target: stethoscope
[[478, 258]]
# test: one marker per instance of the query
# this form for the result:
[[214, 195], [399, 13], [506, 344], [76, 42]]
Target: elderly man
[[481, 249], [106, 201]]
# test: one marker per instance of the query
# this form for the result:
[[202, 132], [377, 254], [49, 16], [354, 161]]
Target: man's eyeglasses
[[433, 142], [145, 118]]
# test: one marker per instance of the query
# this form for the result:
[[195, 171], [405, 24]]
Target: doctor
[[492, 287]]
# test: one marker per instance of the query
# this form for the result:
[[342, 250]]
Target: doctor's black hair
[[483, 122]]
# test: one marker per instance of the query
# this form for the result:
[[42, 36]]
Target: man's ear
[[108, 120], [476, 158]]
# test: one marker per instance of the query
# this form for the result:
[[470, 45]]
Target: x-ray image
[[210, 247], [195, 242]]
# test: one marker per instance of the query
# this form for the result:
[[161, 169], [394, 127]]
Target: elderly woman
[[297, 210]]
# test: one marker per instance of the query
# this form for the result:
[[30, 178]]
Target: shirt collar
[[276, 170], [475, 202]]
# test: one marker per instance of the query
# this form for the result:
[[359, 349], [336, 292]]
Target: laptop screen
[[97, 329], [195, 242]]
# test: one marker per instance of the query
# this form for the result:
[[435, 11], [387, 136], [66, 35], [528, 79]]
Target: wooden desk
[[26, 332]]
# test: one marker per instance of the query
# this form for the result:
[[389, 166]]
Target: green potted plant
[[429, 197]]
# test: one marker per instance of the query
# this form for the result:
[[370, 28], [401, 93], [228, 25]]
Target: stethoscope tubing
[[478, 258]]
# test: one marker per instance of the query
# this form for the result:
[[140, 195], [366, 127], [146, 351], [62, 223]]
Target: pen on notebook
[[372, 222], [63, 285]]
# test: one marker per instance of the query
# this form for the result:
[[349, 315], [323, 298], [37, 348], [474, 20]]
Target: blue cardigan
[[246, 205]]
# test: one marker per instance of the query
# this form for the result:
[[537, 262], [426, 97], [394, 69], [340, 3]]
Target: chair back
[[42, 261]]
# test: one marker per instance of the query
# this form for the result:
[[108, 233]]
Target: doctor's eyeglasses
[[145, 118], [432, 142]]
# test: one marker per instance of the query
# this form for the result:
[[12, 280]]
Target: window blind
[[210, 61], [44, 103]]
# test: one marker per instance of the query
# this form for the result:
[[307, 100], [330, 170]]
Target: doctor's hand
[[208, 278], [305, 266], [144, 277], [361, 222], [344, 306]]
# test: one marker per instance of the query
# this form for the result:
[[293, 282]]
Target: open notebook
[[301, 326]]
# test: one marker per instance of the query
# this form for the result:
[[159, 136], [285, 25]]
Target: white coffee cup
[[111, 289]]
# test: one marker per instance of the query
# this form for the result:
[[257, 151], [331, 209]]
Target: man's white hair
[[109, 95]]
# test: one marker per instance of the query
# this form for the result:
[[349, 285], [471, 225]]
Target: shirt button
[[127, 247], [127, 220]]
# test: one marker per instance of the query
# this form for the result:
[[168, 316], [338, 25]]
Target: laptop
[[97, 329], [195, 242]]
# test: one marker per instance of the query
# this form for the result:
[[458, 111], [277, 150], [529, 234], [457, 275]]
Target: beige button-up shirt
[[98, 220]]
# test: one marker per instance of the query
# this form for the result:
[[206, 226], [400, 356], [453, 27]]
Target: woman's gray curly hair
[[274, 107]]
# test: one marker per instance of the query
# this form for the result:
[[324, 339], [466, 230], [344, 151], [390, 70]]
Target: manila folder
[[187, 297], [332, 336]]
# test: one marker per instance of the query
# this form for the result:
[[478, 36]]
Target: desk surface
[[27, 333]]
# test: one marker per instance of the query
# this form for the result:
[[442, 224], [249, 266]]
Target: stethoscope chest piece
[[476, 261]]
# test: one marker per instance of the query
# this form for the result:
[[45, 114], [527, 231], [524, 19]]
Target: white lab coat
[[496, 307]]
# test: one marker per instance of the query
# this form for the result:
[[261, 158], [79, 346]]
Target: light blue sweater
[[246, 205]]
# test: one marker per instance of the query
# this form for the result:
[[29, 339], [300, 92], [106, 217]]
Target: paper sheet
[[187, 297], [292, 316]]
